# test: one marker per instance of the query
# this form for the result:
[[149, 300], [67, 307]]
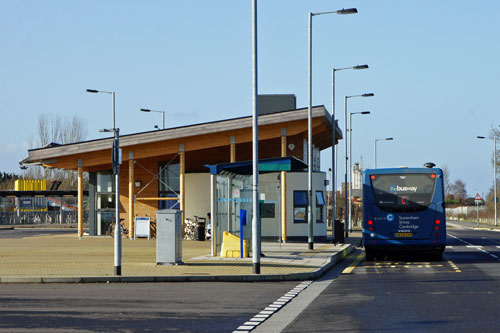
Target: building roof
[[203, 134]]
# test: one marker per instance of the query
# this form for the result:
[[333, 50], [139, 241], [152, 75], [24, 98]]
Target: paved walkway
[[65, 258]]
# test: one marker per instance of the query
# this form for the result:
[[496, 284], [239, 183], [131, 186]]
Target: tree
[[7, 180], [490, 199], [55, 129], [495, 133], [458, 190], [446, 180]]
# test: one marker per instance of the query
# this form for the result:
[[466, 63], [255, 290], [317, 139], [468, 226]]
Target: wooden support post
[[131, 193], [232, 141], [182, 183], [283, 188], [283, 142], [80, 198]]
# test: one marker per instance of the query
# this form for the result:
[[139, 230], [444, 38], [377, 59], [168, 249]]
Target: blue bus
[[404, 211]]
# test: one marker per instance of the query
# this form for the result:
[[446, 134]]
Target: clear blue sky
[[434, 69]]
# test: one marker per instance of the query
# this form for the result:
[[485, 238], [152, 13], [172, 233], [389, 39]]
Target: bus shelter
[[231, 198]]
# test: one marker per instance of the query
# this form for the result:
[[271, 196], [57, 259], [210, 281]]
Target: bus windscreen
[[403, 192]]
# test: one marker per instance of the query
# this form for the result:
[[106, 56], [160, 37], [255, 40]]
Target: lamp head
[[481, 137], [368, 95], [365, 112], [145, 110], [360, 67], [93, 91], [347, 11], [389, 139]]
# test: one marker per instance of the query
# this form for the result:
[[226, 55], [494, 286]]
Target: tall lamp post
[[115, 157], [256, 230], [346, 157], [350, 164], [494, 174], [162, 115], [375, 150], [334, 161], [310, 224]]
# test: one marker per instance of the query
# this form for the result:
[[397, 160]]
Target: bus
[[404, 211]]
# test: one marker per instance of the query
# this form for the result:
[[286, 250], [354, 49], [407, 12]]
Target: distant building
[[357, 181]]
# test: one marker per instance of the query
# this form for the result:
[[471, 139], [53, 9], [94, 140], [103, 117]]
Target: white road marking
[[272, 308], [266, 312], [477, 247], [258, 319]]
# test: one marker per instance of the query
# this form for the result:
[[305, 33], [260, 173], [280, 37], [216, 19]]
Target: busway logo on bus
[[397, 188]]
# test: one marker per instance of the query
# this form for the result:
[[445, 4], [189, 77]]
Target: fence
[[39, 210], [50, 217]]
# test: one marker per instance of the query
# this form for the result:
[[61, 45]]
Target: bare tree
[[55, 129], [495, 133], [458, 190], [446, 179]]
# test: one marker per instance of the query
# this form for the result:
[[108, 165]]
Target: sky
[[434, 71]]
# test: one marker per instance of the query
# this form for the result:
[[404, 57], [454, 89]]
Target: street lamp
[[256, 228], [494, 174], [375, 150], [162, 115], [346, 157], [334, 161], [115, 158], [310, 233], [350, 163]]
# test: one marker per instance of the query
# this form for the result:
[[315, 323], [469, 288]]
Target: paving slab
[[66, 258]]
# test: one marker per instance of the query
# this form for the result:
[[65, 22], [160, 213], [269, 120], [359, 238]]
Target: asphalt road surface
[[459, 294], [182, 307]]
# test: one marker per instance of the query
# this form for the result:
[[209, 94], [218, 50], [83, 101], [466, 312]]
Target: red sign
[[478, 197]]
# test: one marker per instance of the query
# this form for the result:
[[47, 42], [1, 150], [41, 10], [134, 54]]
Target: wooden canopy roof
[[203, 139]]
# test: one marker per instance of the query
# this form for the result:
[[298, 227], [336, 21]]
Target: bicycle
[[123, 229]]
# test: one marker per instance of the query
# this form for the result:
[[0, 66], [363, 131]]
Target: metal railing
[[34, 217]]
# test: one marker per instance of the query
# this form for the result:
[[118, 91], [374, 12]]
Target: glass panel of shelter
[[233, 193]]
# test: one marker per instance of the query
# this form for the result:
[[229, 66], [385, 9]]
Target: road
[[183, 307], [460, 293]]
